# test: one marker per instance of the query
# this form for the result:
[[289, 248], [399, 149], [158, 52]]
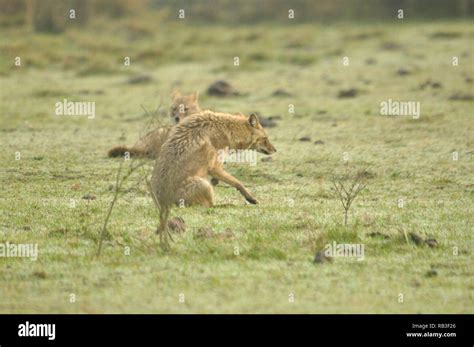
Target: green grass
[[64, 158]]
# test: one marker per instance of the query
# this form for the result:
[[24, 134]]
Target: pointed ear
[[195, 96], [253, 120], [175, 95]]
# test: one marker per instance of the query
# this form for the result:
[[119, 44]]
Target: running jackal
[[150, 144], [191, 154]]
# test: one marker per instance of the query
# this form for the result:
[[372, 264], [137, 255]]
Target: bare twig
[[347, 195], [165, 234], [119, 181], [154, 121], [118, 185]]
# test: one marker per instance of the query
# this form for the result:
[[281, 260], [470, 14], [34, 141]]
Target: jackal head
[[184, 106], [259, 138]]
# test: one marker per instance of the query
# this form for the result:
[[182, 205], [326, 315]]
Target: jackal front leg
[[220, 174]]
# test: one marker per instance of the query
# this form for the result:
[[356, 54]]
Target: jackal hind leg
[[196, 191]]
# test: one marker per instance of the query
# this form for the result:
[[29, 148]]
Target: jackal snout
[[260, 141]]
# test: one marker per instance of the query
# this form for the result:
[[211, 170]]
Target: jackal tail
[[120, 151]]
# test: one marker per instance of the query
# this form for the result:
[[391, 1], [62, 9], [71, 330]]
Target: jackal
[[190, 154]]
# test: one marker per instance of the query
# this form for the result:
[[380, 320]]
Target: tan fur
[[190, 155], [150, 144]]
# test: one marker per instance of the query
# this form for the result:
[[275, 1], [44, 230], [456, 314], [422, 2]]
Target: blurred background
[[109, 25], [45, 15]]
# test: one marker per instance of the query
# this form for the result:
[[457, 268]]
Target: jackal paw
[[252, 200]]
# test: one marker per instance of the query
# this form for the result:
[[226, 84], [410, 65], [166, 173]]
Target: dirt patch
[[281, 93], [209, 233], [89, 197], [430, 84], [420, 241], [366, 174], [320, 258], [445, 35], [431, 273], [458, 96], [403, 72], [177, 225], [39, 274], [432, 243], [391, 46], [222, 88], [416, 239], [378, 234], [348, 93], [139, 79], [267, 122]]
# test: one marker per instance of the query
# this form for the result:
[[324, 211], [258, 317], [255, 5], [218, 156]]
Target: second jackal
[[150, 144]]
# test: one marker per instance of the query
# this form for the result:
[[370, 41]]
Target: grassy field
[[64, 158]]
